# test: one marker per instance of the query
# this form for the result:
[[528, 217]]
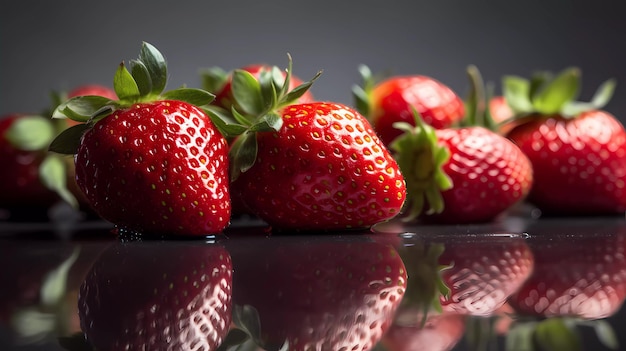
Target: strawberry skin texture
[[483, 273], [182, 304], [20, 185], [323, 293], [325, 169], [157, 167], [391, 102], [579, 164], [489, 175], [584, 277]]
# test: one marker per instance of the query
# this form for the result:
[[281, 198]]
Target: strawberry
[[465, 174], [151, 162], [578, 150], [183, 302], [322, 292], [312, 166], [392, 100], [90, 90]]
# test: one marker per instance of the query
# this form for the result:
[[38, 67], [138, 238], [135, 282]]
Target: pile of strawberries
[[254, 140]]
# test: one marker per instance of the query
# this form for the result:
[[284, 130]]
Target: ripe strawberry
[[216, 81], [578, 151], [323, 292], [314, 166], [183, 302], [151, 162], [392, 100], [460, 175]]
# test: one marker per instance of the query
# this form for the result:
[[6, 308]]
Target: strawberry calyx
[[144, 82], [256, 108], [362, 93], [477, 112], [548, 94], [421, 159]]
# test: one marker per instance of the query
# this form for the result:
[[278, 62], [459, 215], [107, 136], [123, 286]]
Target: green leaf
[[192, 96], [555, 94], [234, 338], [270, 122], [247, 92], [53, 174], [516, 92], [30, 133], [554, 335], [286, 81], [245, 153], [156, 65], [604, 94], [124, 84], [298, 91], [224, 123], [537, 82], [68, 141], [213, 79], [361, 100], [247, 318], [140, 74], [82, 108], [269, 88]]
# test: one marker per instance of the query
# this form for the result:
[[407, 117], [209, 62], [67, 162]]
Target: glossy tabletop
[[518, 282]]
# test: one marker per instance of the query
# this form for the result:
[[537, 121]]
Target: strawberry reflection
[[155, 295], [40, 280], [452, 278], [579, 280], [325, 292]]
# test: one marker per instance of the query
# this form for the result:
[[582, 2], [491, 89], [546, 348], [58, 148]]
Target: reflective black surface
[[519, 281]]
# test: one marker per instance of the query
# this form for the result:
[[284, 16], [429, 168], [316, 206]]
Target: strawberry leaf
[[192, 96], [124, 84], [30, 133], [247, 92], [68, 141], [213, 79], [605, 334], [140, 74], [520, 337], [245, 151], [556, 93], [517, 92], [537, 81], [298, 91], [603, 94], [247, 318], [224, 123], [53, 174], [270, 122], [83, 108], [54, 286], [156, 65]]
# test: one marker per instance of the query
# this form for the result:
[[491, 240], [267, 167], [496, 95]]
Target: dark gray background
[[56, 45]]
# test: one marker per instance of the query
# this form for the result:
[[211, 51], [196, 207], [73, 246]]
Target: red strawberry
[[152, 162], [322, 292], [314, 166], [460, 175], [183, 302], [578, 151], [216, 81], [392, 100]]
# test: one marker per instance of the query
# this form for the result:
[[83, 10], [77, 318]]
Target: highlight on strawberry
[[387, 101], [464, 174], [152, 161], [578, 150], [308, 166]]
